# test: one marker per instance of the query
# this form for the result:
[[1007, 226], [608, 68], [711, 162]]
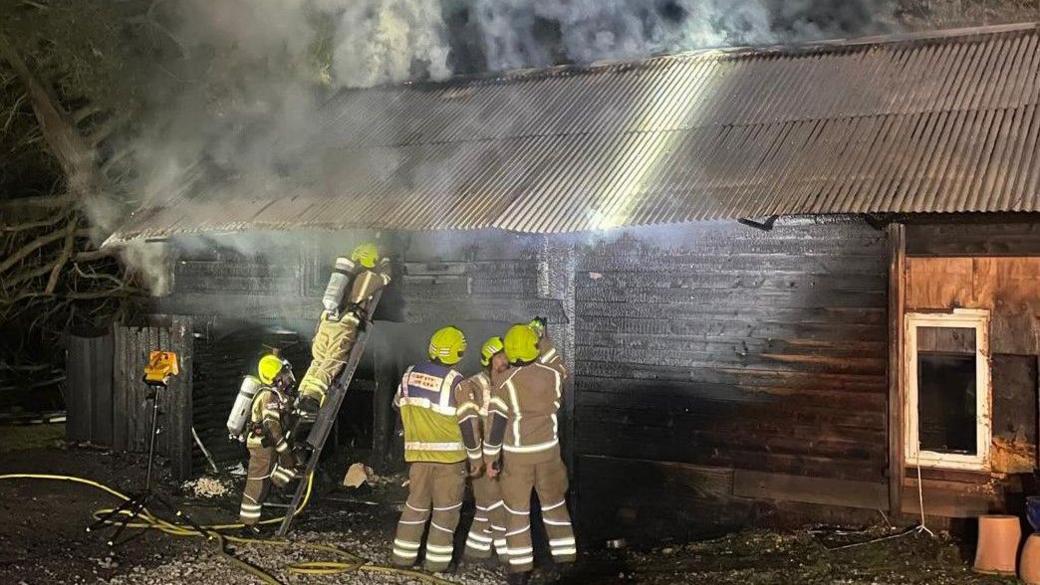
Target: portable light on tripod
[[161, 367]]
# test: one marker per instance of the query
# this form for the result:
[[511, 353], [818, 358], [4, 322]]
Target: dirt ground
[[43, 539]]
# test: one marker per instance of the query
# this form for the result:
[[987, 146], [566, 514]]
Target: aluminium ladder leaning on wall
[[327, 415]]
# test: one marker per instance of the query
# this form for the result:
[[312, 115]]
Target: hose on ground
[[345, 561]]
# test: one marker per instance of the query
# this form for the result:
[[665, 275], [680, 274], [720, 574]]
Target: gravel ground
[[42, 540], [209, 567]]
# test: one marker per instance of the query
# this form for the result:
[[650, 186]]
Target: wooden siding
[[88, 389], [1007, 287], [731, 348], [132, 406], [1016, 235]]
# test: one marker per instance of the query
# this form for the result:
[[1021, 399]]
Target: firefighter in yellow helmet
[[345, 310], [523, 414], [488, 531], [441, 425], [270, 458]]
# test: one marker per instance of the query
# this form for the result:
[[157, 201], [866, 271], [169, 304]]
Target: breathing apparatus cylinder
[[240, 412], [339, 284]]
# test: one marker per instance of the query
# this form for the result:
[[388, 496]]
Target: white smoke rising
[[380, 41], [237, 115]]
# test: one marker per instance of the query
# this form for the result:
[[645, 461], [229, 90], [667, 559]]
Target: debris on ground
[[206, 487], [357, 475]]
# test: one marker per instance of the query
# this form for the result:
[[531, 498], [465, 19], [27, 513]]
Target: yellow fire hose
[[349, 561]]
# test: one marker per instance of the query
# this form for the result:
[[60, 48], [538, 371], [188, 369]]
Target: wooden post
[[896, 309], [385, 376], [178, 397], [556, 273]]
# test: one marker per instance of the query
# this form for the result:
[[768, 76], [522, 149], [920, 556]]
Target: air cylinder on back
[[239, 417], [339, 284]]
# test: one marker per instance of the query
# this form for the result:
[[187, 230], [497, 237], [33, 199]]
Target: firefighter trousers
[[436, 487], [258, 481], [548, 477], [329, 352], [489, 521]]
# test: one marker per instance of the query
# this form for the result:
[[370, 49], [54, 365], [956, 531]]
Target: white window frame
[[977, 319]]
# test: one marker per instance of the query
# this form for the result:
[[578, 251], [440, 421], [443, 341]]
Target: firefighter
[[489, 525], [441, 430], [266, 440], [524, 434], [353, 283]]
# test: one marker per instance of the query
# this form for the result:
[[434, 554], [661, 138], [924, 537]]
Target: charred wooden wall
[[723, 362], [714, 363], [254, 291]]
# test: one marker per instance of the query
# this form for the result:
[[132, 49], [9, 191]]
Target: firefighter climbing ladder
[[319, 433]]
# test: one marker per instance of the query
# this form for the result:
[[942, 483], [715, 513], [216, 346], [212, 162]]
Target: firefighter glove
[[538, 326], [308, 409]]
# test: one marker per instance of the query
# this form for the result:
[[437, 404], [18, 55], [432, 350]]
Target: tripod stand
[[132, 509]]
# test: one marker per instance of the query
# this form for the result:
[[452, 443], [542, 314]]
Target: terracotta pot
[[998, 544], [1029, 566]]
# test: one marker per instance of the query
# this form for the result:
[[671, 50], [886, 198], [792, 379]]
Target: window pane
[[946, 389]]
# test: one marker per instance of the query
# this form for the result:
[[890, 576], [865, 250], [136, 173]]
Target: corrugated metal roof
[[939, 123]]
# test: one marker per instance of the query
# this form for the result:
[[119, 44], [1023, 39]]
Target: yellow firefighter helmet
[[521, 344], [447, 345], [269, 367], [366, 255], [490, 348]]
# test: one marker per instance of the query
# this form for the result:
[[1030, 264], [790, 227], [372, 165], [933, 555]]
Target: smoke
[[235, 113]]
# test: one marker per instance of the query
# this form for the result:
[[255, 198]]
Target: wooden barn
[[789, 282]]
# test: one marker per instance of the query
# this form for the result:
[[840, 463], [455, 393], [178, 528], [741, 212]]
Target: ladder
[[327, 415]]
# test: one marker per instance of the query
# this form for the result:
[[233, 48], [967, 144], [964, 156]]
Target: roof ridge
[[741, 51]]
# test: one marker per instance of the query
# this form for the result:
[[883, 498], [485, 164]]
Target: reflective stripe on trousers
[[435, 495], [488, 531], [549, 480]]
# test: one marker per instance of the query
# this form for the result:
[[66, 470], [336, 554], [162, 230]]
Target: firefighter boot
[[518, 578]]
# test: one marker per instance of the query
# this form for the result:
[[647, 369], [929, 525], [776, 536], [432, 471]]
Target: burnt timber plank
[[810, 490], [896, 308], [692, 480], [764, 352], [997, 239]]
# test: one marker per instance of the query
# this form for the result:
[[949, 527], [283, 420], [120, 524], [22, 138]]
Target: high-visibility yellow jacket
[[441, 423]]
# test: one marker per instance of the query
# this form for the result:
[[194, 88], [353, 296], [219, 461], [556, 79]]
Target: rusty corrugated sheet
[[940, 123]]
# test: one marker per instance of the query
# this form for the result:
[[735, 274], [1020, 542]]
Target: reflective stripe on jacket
[[524, 405], [429, 409], [266, 418]]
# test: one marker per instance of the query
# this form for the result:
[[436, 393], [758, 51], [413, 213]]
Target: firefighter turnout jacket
[[524, 432], [270, 456], [441, 421], [441, 425], [337, 330], [524, 405]]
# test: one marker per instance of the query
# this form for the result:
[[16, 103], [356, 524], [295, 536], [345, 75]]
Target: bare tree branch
[[31, 225], [36, 244], [74, 155], [14, 110], [18, 278], [106, 129], [93, 255], [70, 240], [42, 202], [84, 113]]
